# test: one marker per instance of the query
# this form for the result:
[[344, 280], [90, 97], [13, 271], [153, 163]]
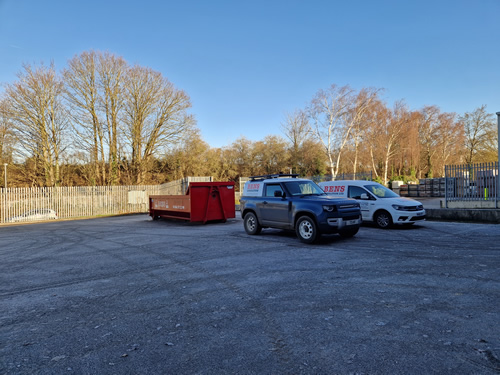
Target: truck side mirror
[[278, 194], [364, 196]]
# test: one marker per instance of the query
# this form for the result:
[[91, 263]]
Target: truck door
[[274, 208], [367, 205]]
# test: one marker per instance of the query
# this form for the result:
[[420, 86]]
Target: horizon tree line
[[101, 121]]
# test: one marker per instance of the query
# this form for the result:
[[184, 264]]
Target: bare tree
[[242, 157], [155, 116], [365, 131], [380, 137], [7, 139], [111, 71], [220, 166], [450, 134], [427, 132], [333, 115], [33, 104], [480, 134], [327, 112], [297, 129], [410, 147], [82, 93], [271, 155], [397, 123], [313, 160], [190, 157], [93, 82]]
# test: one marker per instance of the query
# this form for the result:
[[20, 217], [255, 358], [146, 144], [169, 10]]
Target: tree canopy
[[102, 121]]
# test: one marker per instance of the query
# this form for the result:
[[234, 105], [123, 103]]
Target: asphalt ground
[[128, 295]]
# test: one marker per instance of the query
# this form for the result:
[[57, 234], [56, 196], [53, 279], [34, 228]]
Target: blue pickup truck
[[285, 201]]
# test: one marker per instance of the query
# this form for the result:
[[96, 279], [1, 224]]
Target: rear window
[[270, 189]]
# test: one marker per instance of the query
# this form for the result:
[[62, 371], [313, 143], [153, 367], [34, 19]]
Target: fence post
[[446, 186], [498, 163], [2, 206]]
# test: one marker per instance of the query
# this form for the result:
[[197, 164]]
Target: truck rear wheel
[[251, 224], [306, 229]]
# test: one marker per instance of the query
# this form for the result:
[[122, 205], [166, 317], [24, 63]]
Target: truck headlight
[[399, 208], [329, 208]]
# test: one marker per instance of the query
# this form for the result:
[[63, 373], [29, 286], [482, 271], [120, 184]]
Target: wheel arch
[[381, 210], [247, 210], [299, 214]]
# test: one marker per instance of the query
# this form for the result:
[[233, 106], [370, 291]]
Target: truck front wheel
[[306, 229], [383, 219], [251, 224]]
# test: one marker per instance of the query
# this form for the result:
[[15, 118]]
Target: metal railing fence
[[26, 204], [472, 182]]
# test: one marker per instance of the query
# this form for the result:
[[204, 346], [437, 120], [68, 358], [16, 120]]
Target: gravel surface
[[128, 295]]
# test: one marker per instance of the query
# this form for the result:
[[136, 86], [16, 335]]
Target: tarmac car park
[[128, 294]]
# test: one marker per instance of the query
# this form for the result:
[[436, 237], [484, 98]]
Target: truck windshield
[[381, 191], [303, 188]]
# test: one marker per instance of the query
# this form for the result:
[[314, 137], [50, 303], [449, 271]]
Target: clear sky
[[245, 64]]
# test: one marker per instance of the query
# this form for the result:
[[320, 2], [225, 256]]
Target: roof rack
[[277, 175]]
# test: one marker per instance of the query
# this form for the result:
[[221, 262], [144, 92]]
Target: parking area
[[128, 295]]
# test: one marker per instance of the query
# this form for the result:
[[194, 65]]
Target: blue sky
[[247, 63]]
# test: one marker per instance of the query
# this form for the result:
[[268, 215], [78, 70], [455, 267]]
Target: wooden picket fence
[[85, 201]]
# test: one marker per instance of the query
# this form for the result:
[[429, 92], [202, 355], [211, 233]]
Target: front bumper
[[335, 224], [406, 217]]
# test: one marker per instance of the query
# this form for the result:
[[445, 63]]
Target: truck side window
[[355, 192], [270, 189]]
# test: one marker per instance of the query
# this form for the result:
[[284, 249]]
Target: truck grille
[[344, 206], [415, 208]]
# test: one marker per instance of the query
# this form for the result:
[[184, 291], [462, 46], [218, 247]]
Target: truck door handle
[[265, 202]]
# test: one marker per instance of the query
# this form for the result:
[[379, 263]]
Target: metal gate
[[472, 182]]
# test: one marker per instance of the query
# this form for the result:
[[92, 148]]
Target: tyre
[[351, 232], [383, 219], [251, 224], [306, 229]]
